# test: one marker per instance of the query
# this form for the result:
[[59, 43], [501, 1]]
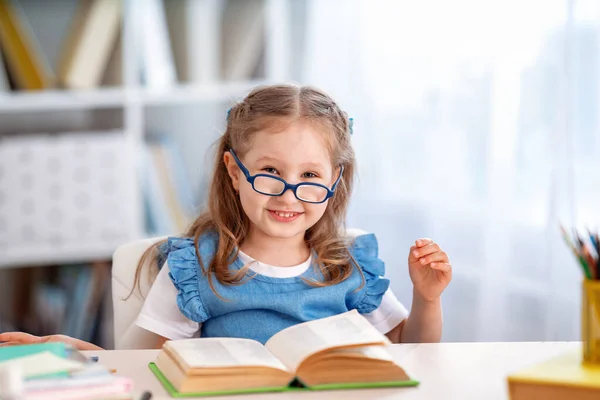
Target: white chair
[[126, 308], [127, 335]]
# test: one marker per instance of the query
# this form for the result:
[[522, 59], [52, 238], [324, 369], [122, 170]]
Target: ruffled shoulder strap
[[186, 273], [365, 251]]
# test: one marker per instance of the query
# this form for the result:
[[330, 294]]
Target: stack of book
[[57, 371]]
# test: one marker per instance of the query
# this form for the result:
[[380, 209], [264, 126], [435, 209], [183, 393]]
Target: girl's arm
[[423, 325], [160, 341], [430, 271]]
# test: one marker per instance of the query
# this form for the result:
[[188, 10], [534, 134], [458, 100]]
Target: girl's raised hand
[[429, 269]]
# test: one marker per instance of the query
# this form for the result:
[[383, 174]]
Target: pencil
[[571, 245], [585, 255], [589, 259]]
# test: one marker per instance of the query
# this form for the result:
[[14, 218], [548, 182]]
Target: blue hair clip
[[228, 112], [351, 125]]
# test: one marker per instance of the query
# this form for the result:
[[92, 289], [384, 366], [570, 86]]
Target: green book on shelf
[[340, 352]]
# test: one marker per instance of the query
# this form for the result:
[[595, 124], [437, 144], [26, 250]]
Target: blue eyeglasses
[[270, 185]]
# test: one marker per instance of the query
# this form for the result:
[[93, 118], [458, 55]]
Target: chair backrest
[[127, 304], [126, 307]]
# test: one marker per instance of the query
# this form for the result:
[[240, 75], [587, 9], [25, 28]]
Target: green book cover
[[174, 393], [10, 352], [60, 349]]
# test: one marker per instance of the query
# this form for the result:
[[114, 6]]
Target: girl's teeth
[[285, 215]]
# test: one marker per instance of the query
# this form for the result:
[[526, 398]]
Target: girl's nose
[[288, 197]]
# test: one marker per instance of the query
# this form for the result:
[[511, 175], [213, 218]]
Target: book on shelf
[[562, 377], [340, 352], [113, 74], [86, 290], [194, 32], [4, 83], [25, 62], [243, 35], [63, 298], [90, 44], [167, 193]]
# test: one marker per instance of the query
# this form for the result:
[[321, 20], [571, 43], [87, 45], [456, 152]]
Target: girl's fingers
[[19, 337], [426, 250], [443, 267], [411, 254], [440, 256], [423, 242], [77, 343], [6, 344]]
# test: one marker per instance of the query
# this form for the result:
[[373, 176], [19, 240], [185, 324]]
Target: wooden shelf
[[61, 100]]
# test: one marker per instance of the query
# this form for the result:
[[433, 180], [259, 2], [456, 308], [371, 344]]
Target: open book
[[343, 351]]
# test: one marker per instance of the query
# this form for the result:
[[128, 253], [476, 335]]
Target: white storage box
[[63, 197]]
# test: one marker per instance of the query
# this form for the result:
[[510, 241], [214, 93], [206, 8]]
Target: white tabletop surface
[[445, 371]]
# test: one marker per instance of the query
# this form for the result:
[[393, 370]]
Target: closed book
[[563, 377]]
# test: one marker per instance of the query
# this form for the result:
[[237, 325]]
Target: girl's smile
[[285, 216]]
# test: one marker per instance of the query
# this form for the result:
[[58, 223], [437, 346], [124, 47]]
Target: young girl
[[271, 250]]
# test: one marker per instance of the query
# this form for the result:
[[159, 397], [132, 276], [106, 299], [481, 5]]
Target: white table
[[445, 371]]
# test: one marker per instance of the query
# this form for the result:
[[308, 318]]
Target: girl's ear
[[335, 176], [232, 170]]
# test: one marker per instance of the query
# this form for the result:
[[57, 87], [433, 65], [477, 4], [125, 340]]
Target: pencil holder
[[590, 321]]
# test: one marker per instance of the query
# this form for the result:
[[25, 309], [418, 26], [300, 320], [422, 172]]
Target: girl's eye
[[270, 170], [309, 175]]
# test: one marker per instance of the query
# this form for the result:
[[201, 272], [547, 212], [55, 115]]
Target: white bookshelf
[[61, 100], [188, 108], [186, 94]]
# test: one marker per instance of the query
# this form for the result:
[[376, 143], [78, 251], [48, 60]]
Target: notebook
[[56, 348], [40, 360]]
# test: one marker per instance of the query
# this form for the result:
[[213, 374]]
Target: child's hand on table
[[19, 338]]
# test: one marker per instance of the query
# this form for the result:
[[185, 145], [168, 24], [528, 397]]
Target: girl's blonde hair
[[267, 108]]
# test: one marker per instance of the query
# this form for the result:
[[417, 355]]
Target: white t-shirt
[[161, 315]]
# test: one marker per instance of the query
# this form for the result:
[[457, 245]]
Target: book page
[[223, 352], [292, 345], [376, 352]]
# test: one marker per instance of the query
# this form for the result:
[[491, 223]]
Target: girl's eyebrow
[[311, 165], [267, 159], [308, 165]]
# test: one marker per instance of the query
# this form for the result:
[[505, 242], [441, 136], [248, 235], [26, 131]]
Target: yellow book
[[24, 59], [561, 377]]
